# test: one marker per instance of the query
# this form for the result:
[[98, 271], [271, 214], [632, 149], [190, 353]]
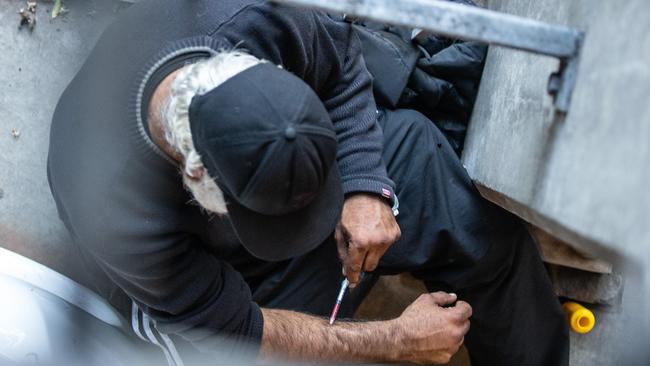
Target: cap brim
[[276, 238]]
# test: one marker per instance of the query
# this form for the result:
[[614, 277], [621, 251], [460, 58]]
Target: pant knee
[[405, 120]]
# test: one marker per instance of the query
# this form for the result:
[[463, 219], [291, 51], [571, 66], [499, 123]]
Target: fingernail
[[453, 294], [352, 285]]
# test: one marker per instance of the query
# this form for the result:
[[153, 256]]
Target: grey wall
[[583, 177]]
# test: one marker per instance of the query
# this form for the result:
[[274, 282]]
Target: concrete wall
[[582, 177]]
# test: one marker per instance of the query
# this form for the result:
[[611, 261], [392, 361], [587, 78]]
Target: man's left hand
[[366, 230]]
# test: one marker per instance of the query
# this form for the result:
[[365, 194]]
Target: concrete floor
[[36, 67]]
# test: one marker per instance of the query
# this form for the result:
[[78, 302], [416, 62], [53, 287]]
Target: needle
[[345, 284], [339, 299]]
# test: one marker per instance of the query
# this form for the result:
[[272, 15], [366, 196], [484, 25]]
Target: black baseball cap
[[268, 141]]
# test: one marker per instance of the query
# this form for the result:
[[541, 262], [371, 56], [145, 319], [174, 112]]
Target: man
[[290, 171]]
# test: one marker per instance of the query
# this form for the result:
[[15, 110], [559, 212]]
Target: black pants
[[453, 240]]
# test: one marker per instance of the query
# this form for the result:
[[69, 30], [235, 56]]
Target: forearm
[[293, 335]]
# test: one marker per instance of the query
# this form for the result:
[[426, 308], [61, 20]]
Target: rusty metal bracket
[[475, 24]]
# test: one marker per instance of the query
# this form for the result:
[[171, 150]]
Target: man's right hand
[[427, 332]]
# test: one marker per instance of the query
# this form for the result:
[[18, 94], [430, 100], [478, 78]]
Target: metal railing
[[476, 24]]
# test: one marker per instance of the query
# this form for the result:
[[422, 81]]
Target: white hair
[[196, 79]]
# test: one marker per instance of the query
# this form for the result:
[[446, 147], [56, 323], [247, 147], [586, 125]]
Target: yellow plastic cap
[[581, 319]]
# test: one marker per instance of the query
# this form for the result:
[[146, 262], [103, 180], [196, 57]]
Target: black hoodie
[[125, 204]]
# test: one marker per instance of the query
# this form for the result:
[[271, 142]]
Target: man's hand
[[366, 230], [430, 333]]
